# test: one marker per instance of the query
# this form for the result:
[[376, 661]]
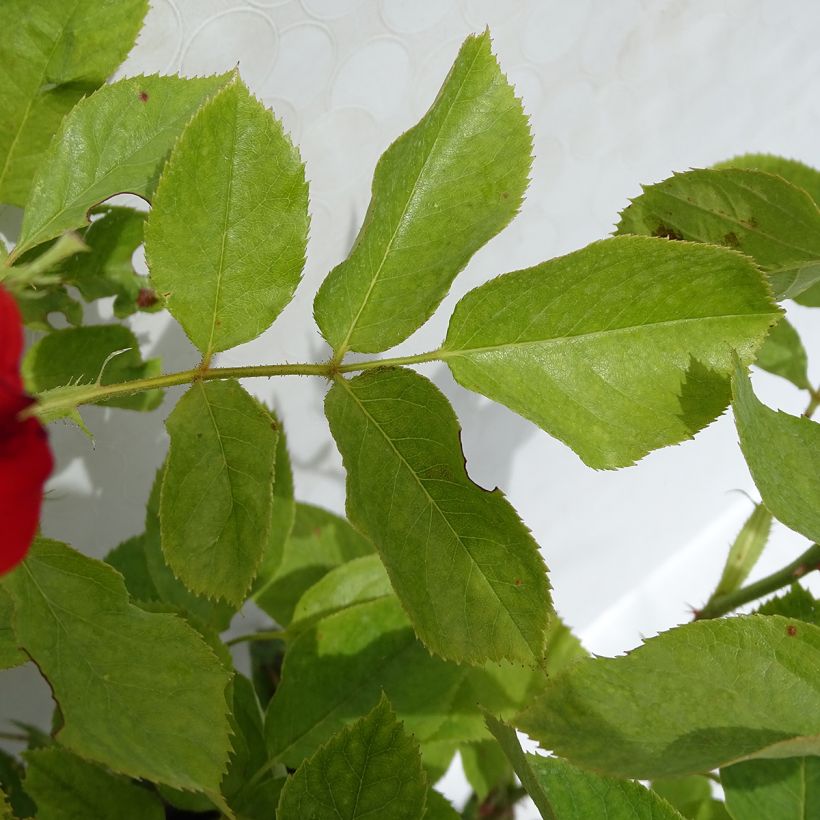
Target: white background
[[618, 93]]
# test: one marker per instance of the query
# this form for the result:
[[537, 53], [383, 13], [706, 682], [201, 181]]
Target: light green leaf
[[138, 692], [362, 579], [635, 716], [5, 807], [796, 603], [53, 53], [66, 787], [115, 141], [692, 797], [10, 653], [440, 192], [563, 647], [319, 541], [744, 552], [371, 768], [464, 566], [81, 355], [784, 355], [37, 305], [774, 789], [783, 454], [335, 671], [617, 349], [215, 506], [762, 215], [486, 767], [226, 238]]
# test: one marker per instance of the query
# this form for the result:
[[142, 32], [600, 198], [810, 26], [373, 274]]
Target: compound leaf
[[371, 768], [115, 141], [617, 349], [81, 355], [440, 192], [139, 692], [784, 355], [774, 789], [783, 454], [53, 53], [66, 787], [464, 566], [226, 238], [635, 716], [215, 504]]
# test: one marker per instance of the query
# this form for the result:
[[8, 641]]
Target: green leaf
[[635, 716], [37, 305], [802, 176], [440, 192], [355, 582], [215, 506], [10, 653], [129, 559], [784, 355], [138, 692], [371, 768], [226, 238], [465, 568], [115, 141], [617, 349], [439, 808], [774, 789], [66, 787], [53, 53], [335, 671], [692, 797], [796, 603], [744, 552], [783, 454], [5, 807], [82, 355], [318, 542], [11, 784], [485, 766]]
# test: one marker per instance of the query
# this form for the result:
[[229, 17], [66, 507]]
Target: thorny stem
[[806, 563], [91, 393]]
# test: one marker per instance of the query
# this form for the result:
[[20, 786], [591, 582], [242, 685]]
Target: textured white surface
[[618, 93]]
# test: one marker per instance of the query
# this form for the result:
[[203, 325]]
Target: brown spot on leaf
[[146, 298], [791, 630], [665, 232], [143, 96], [518, 582], [731, 240], [505, 195]]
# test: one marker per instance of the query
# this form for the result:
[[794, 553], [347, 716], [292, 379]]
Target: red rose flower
[[25, 458]]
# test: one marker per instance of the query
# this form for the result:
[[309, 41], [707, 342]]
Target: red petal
[[11, 342]]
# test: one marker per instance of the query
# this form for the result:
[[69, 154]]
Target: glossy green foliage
[[53, 53], [66, 787], [774, 789], [762, 215], [108, 354], [464, 566], [335, 671], [634, 716], [616, 349], [784, 355], [440, 192], [217, 493], [318, 542], [370, 768], [10, 653], [115, 141], [225, 240], [783, 454], [119, 672]]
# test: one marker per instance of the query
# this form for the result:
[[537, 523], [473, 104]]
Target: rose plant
[[425, 626]]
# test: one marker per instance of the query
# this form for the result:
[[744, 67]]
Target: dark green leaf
[[37, 305], [440, 192], [796, 603], [53, 53], [692, 797], [66, 787], [11, 783], [319, 541], [10, 653], [115, 141], [225, 240], [139, 692], [616, 349], [784, 355], [215, 506], [82, 355], [464, 566], [335, 671], [370, 768], [773, 789], [438, 807], [783, 454], [130, 560], [635, 715]]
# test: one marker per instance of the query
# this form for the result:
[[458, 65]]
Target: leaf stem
[[14, 736], [801, 566], [91, 393], [265, 635], [814, 402]]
